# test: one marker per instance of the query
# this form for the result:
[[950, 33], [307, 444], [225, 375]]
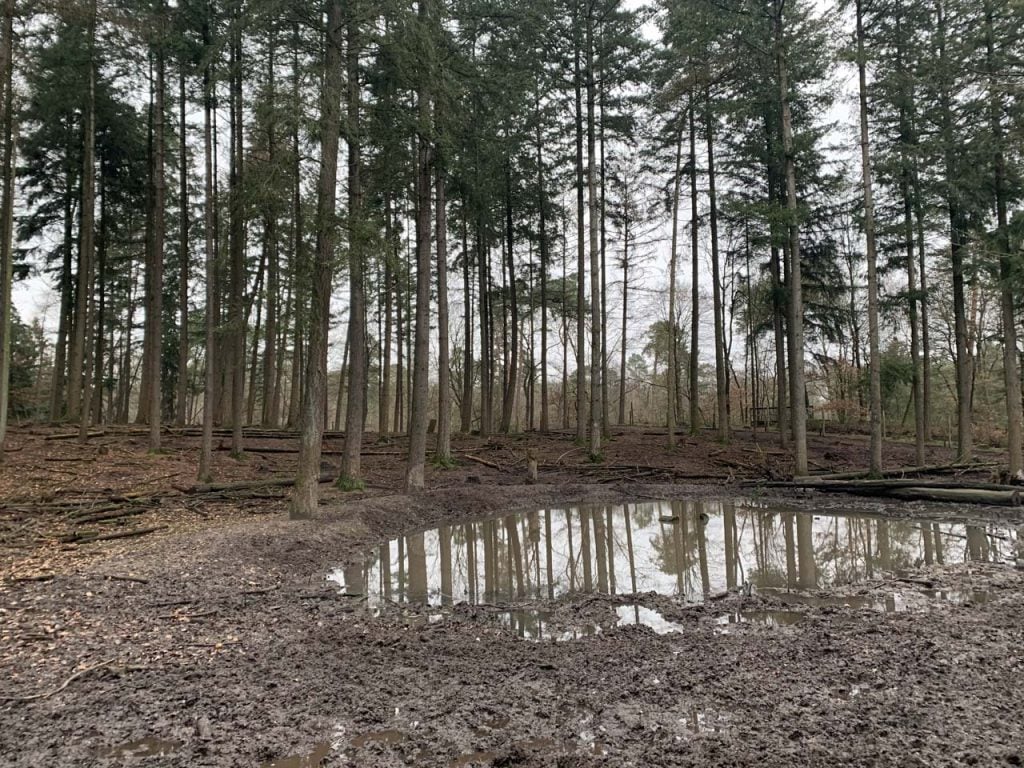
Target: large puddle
[[687, 549]]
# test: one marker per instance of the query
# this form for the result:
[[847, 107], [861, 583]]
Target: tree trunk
[[305, 496], [694, 376], [236, 306], [209, 204], [181, 405], [6, 210], [444, 393], [797, 394], [351, 471], [670, 377], [268, 416], [874, 354], [721, 372], [154, 306], [512, 370], [594, 212], [581, 266], [626, 213], [543, 242], [466, 411], [384, 407], [415, 471]]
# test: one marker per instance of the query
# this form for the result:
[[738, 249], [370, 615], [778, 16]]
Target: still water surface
[[687, 549]]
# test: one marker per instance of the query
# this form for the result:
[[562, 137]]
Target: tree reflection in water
[[690, 549]]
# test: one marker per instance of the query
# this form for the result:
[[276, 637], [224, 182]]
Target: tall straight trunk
[[236, 281], [596, 353], [670, 379], [6, 209], [486, 348], [209, 225], [97, 362], [778, 288], [694, 376], [581, 265], [466, 411], [604, 250], [306, 493], [384, 407], [922, 261], [86, 250], [87, 255], [957, 246], [181, 405], [86, 229], [512, 369], [797, 396], [721, 373], [444, 393], [154, 306], [399, 292], [351, 471], [874, 354], [565, 333], [258, 298], [268, 416], [415, 471], [625, 305], [300, 269], [1007, 269], [543, 243], [908, 233], [66, 295]]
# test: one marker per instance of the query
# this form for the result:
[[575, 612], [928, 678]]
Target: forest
[[540, 212], [511, 382]]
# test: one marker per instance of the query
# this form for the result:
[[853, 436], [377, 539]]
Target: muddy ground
[[213, 639]]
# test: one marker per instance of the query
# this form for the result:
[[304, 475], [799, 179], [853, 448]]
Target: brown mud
[[215, 641]]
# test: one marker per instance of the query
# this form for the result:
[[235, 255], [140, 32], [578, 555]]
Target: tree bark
[[721, 372], [6, 209], [236, 282], [444, 394], [351, 470], [181, 404], [594, 213], [154, 308], [305, 496], [415, 471], [797, 393], [694, 282], [673, 363], [874, 354], [210, 325]]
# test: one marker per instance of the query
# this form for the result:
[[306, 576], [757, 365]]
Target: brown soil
[[216, 634]]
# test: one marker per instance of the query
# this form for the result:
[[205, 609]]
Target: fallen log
[[930, 469], [916, 490], [90, 537], [281, 482], [478, 460], [72, 435]]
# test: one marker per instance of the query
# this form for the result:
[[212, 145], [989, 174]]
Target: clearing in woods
[[656, 608]]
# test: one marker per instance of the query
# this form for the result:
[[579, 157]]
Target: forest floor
[[208, 635]]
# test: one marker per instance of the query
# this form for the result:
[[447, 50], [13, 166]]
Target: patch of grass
[[595, 458], [348, 484], [446, 462]]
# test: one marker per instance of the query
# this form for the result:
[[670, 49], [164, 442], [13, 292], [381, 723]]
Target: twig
[[62, 686], [121, 577]]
